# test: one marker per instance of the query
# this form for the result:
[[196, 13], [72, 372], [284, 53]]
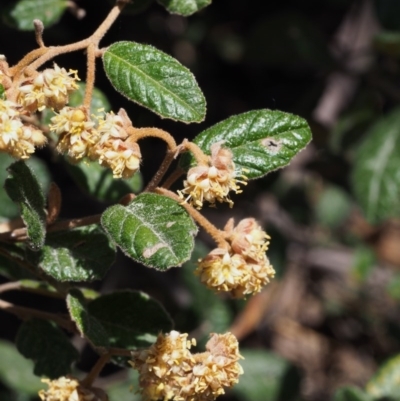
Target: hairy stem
[[158, 176], [97, 368], [217, 235], [201, 158], [176, 174], [90, 75], [139, 133]]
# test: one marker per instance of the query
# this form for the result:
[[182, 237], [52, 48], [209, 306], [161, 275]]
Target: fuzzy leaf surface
[[385, 384], [132, 319], [261, 140], [154, 80], [22, 14], [184, 7], [89, 327], [82, 254], [153, 230], [376, 176], [99, 182], [23, 188], [47, 346]]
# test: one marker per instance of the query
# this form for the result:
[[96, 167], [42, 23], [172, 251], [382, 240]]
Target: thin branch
[[27, 313], [217, 235], [97, 368]]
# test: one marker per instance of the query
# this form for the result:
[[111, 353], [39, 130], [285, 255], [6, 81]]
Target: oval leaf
[[375, 178], [89, 327], [385, 384], [261, 140], [154, 80], [184, 7], [22, 14], [23, 188], [82, 254], [153, 229], [47, 346], [99, 182], [132, 319]]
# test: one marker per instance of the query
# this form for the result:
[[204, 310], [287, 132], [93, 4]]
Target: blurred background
[[330, 319]]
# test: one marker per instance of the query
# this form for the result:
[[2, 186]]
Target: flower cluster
[[103, 138], [243, 268], [49, 88], [212, 182], [16, 138], [69, 389], [168, 370]]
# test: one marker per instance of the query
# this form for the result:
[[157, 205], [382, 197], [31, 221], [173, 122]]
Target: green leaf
[[99, 182], [333, 207], [184, 7], [24, 188], [89, 327], [22, 14], [131, 319], [11, 268], [99, 99], [47, 346], [81, 254], [264, 376], [261, 140], [375, 178], [153, 229], [386, 382], [2, 92], [16, 372], [8, 208], [351, 393], [154, 80]]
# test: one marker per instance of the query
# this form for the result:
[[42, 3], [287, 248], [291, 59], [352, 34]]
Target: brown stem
[[21, 263], [217, 235], [27, 313], [176, 174], [139, 133], [38, 57], [53, 203], [201, 158], [15, 285], [39, 28], [90, 75], [97, 368], [19, 234], [158, 176], [29, 58]]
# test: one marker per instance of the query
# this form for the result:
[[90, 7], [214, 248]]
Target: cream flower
[[243, 268], [76, 131], [17, 139], [49, 88], [169, 371], [69, 389], [212, 182]]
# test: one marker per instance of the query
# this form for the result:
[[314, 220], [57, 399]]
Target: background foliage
[[328, 327]]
